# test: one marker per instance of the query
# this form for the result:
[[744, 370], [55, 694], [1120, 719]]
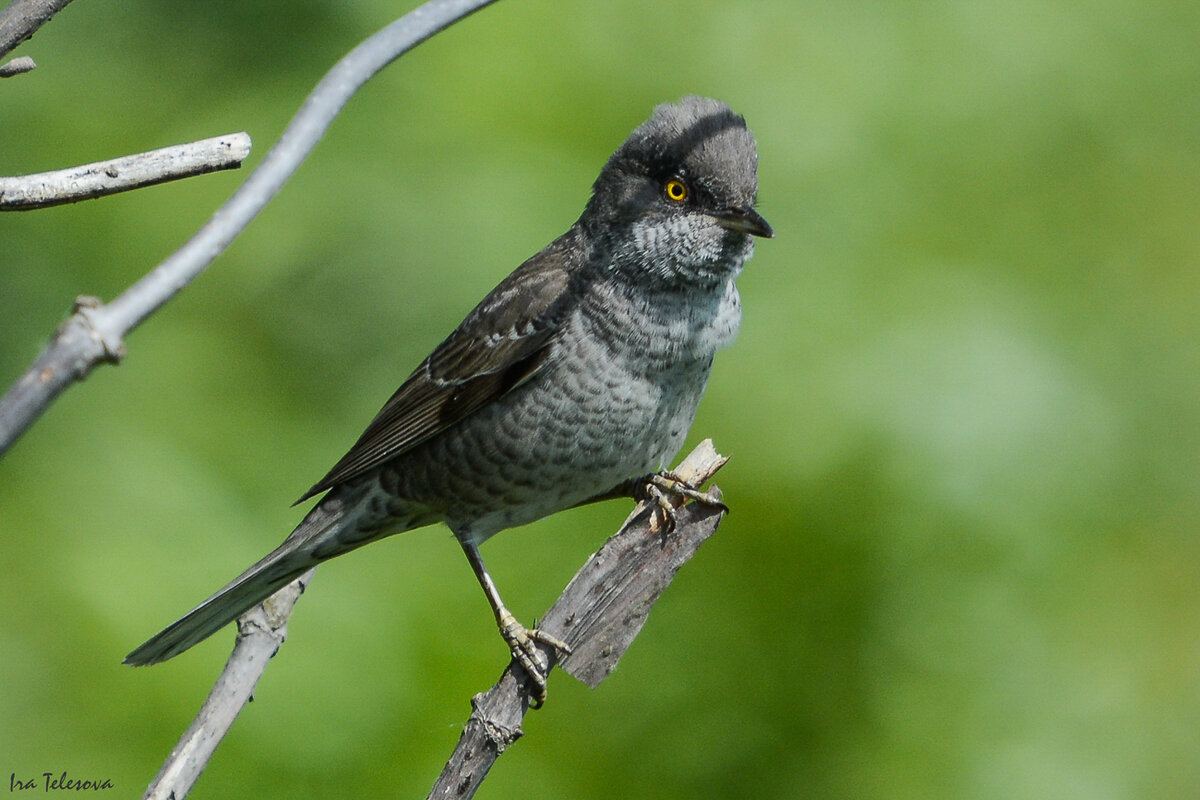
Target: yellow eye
[[676, 190]]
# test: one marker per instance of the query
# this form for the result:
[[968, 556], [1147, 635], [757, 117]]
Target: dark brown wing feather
[[501, 343]]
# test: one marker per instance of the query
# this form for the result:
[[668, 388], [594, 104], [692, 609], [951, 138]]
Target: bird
[[577, 377]]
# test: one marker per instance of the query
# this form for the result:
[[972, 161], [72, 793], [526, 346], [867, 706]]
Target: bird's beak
[[745, 220]]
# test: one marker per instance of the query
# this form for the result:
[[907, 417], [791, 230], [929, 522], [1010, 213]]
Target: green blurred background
[[962, 411]]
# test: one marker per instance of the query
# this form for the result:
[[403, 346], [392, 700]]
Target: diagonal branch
[[96, 332], [26, 192], [21, 18], [261, 631], [598, 615]]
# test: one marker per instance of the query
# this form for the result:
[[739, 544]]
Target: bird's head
[[678, 196]]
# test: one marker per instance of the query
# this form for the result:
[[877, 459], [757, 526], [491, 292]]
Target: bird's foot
[[668, 492], [523, 642]]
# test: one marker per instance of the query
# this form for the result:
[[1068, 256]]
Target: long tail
[[325, 532], [272, 573]]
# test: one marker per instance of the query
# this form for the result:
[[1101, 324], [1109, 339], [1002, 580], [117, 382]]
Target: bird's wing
[[503, 342]]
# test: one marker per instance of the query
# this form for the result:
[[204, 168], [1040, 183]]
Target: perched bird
[[581, 371]]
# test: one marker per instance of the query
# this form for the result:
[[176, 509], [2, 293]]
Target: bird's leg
[[667, 491], [521, 641]]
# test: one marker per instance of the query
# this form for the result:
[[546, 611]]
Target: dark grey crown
[[698, 140], [676, 201]]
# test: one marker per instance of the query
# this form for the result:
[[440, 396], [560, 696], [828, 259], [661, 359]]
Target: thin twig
[[17, 66], [598, 615], [96, 333], [25, 192], [21, 18], [261, 631]]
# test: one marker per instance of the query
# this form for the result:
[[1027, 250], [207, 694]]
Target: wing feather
[[503, 342]]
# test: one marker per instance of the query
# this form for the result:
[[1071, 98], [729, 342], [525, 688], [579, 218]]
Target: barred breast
[[610, 404]]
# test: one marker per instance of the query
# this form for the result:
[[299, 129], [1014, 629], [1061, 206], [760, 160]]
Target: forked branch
[[599, 613], [96, 332]]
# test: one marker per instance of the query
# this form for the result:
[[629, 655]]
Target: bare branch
[[104, 327], [17, 66], [261, 631], [89, 181], [21, 18], [599, 613]]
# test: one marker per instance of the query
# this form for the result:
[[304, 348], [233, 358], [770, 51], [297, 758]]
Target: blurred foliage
[[962, 412]]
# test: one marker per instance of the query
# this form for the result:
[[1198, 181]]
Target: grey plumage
[[579, 371]]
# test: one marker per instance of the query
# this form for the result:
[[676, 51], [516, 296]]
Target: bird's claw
[[668, 492], [523, 642]]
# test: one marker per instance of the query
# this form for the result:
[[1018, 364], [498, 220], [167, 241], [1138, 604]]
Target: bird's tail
[[324, 533], [272, 573]]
